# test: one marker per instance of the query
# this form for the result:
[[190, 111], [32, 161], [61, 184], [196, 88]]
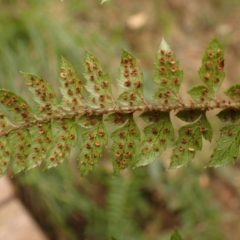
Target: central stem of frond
[[206, 106]]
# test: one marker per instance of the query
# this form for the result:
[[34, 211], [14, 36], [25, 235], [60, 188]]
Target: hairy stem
[[206, 106]]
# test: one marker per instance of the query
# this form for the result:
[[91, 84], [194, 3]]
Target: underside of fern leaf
[[46, 137]]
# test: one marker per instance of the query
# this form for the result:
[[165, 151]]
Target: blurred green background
[[146, 203]]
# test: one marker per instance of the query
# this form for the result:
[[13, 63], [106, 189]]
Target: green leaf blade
[[131, 80], [64, 136], [156, 136], [189, 115], [164, 96], [71, 87], [5, 156], [167, 75], [230, 115], [94, 139], [98, 82], [16, 105], [5, 124], [89, 121], [205, 127], [5, 152], [201, 94], [43, 93], [41, 143], [234, 92], [189, 141], [190, 137], [227, 147], [212, 70], [117, 119], [20, 150], [124, 144]]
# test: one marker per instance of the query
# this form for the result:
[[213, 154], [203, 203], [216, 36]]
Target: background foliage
[[147, 203]]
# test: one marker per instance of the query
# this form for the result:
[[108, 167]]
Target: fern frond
[[29, 139]]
